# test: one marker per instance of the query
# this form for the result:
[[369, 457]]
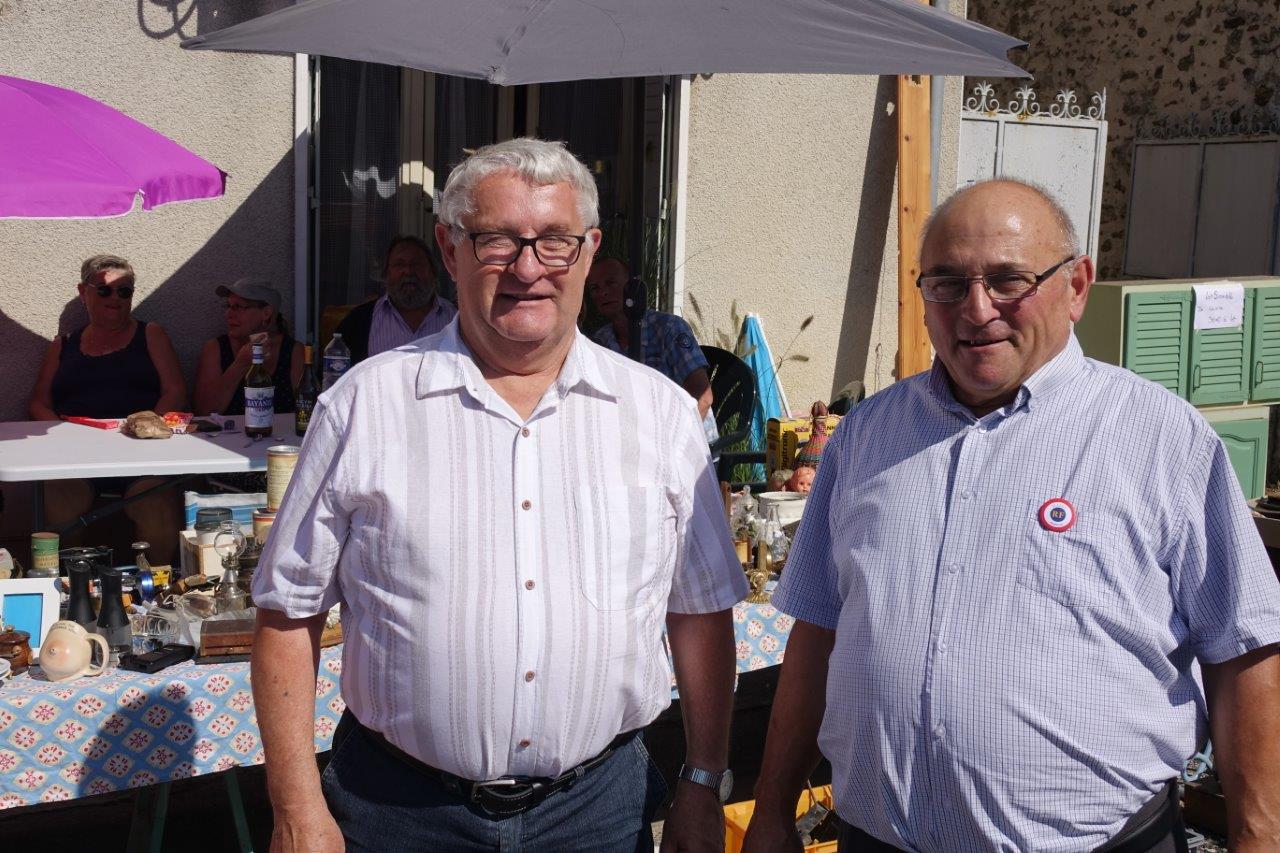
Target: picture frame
[[31, 605]]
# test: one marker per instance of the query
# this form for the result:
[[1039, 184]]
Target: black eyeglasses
[[551, 250], [1001, 286], [124, 291]]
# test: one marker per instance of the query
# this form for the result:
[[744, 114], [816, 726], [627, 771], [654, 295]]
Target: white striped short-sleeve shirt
[[504, 580]]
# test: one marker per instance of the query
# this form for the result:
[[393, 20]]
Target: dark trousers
[[382, 804], [1174, 840]]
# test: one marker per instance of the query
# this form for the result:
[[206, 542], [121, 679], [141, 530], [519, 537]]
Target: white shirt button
[[526, 505], [525, 432], [529, 584], [953, 568], [525, 744], [528, 676]]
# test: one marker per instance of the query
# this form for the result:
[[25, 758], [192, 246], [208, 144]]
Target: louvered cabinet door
[[1265, 381], [1156, 331], [1220, 361]]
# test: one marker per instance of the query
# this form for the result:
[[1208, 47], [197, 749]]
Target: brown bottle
[[305, 396]]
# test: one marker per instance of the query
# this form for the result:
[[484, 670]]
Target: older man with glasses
[[1008, 569], [508, 514]]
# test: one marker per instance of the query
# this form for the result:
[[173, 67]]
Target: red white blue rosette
[[1057, 515]]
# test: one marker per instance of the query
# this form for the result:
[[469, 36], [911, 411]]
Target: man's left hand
[[695, 823]]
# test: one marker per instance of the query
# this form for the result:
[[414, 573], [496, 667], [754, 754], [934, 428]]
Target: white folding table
[[35, 451]]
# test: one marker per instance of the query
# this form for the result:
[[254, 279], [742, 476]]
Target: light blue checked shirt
[[667, 345], [995, 685]]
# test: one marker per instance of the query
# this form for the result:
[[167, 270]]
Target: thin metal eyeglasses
[[1001, 286], [125, 291], [242, 306], [551, 250]]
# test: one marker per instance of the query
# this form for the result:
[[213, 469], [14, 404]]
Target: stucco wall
[[1158, 59], [235, 110], [792, 212]]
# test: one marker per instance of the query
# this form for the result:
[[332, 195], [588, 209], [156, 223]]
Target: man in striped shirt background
[[411, 308]]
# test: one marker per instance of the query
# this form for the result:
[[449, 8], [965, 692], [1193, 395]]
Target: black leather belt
[[1159, 819], [501, 797]]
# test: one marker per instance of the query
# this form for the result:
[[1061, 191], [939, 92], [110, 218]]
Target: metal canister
[[281, 460], [44, 555], [262, 521], [216, 514]]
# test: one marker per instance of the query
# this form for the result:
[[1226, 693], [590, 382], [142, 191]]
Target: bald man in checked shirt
[[1006, 572], [508, 514]]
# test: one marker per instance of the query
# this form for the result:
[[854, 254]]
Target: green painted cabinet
[[1243, 431], [1146, 326]]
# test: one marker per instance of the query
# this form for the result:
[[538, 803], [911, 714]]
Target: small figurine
[[757, 579], [758, 575], [778, 479], [801, 480], [811, 454]]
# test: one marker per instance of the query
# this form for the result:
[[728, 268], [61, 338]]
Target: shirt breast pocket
[[621, 536], [1076, 567]]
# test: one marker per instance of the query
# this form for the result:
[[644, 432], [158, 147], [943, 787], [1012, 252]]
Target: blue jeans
[[382, 804]]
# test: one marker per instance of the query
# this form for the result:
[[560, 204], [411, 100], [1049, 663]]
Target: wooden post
[[914, 352]]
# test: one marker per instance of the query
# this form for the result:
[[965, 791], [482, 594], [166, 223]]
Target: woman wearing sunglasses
[[114, 366], [252, 309]]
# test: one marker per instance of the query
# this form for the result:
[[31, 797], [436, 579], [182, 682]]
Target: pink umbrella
[[65, 155]]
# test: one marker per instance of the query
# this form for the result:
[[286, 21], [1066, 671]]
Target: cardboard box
[[197, 559], [784, 436]]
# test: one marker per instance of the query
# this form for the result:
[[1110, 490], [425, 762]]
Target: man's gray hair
[[1070, 240], [535, 160]]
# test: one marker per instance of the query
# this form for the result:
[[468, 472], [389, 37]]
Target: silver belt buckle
[[497, 783]]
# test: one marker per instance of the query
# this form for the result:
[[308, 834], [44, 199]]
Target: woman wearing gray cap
[[252, 308]]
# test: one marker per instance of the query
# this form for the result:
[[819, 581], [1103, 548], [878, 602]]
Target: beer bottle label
[[259, 407], [302, 415]]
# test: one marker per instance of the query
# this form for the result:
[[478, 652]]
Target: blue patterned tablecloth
[[125, 729], [760, 634]]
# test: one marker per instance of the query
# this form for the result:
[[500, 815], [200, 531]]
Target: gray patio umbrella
[[542, 41]]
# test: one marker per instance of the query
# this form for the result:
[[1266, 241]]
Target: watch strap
[[705, 778]]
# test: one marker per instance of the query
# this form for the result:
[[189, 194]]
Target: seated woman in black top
[[252, 307], [111, 368]]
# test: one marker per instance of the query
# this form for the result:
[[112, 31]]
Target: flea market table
[[35, 451]]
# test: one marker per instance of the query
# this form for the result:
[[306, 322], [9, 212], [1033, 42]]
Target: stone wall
[[1159, 60]]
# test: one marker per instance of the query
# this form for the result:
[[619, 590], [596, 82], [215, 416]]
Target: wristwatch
[[721, 783]]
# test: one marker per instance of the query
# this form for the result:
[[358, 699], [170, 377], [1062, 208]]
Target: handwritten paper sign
[[1219, 305]]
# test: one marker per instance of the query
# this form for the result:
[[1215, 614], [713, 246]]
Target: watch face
[[726, 786]]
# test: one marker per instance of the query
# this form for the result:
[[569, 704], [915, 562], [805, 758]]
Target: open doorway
[[385, 139]]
